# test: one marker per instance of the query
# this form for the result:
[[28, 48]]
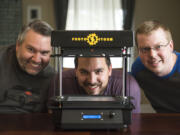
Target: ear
[[171, 45], [76, 71], [110, 70], [51, 51], [17, 46]]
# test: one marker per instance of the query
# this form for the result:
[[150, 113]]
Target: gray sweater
[[21, 92]]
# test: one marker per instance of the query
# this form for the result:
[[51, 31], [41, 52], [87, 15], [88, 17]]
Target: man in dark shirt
[[24, 70], [94, 76], [157, 69]]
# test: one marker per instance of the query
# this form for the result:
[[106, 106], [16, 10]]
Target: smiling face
[[93, 74], [33, 54], [160, 61]]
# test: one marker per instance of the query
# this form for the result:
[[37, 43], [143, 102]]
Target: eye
[[99, 71], [83, 72], [158, 47], [145, 49], [45, 53], [30, 49]]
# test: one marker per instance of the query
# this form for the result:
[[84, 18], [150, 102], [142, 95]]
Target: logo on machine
[[92, 39]]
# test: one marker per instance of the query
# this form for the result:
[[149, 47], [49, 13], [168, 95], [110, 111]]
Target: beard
[[98, 89], [29, 66]]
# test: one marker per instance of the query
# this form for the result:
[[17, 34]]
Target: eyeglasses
[[157, 48]]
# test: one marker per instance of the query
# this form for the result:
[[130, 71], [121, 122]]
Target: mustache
[[33, 62], [91, 84]]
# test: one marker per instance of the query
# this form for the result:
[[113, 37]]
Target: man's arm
[[134, 91]]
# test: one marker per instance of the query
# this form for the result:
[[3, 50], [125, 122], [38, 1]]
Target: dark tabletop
[[41, 124]]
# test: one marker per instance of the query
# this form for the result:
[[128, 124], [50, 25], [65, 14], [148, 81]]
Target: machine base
[[100, 114]]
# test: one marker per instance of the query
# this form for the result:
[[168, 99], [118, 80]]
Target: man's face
[[156, 52], [34, 53], [93, 74]]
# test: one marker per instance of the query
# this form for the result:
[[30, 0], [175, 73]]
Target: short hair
[[107, 58], [148, 26], [38, 26]]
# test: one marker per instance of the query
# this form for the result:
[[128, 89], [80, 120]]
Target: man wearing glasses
[[157, 69]]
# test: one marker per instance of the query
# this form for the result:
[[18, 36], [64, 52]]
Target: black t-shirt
[[162, 92]]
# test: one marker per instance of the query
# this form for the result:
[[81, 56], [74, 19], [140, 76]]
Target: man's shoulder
[[117, 74], [7, 54], [178, 58], [70, 85], [137, 66], [69, 73], [49, 71], [6, 49], [177, 65]]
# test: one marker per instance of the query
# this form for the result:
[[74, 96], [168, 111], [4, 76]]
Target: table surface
[[41, 124]]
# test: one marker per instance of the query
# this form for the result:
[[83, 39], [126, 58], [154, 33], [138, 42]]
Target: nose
[[36, 58], [152, 52], [92, 78]]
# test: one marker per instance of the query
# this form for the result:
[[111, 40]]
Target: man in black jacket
[[25, 72]]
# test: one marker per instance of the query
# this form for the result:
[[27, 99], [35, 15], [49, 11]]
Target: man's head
[[93, 73], [33, 47], [155, 46]]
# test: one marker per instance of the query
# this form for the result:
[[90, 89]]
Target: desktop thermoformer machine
[[91, 112]]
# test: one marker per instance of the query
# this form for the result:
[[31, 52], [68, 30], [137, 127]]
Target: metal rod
[[124, 72], [60, 71]]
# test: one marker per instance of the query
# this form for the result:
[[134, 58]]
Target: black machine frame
[[104, 114]]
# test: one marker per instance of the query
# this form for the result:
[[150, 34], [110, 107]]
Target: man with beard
[[157, 69], [24, 70], [95, 76]]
